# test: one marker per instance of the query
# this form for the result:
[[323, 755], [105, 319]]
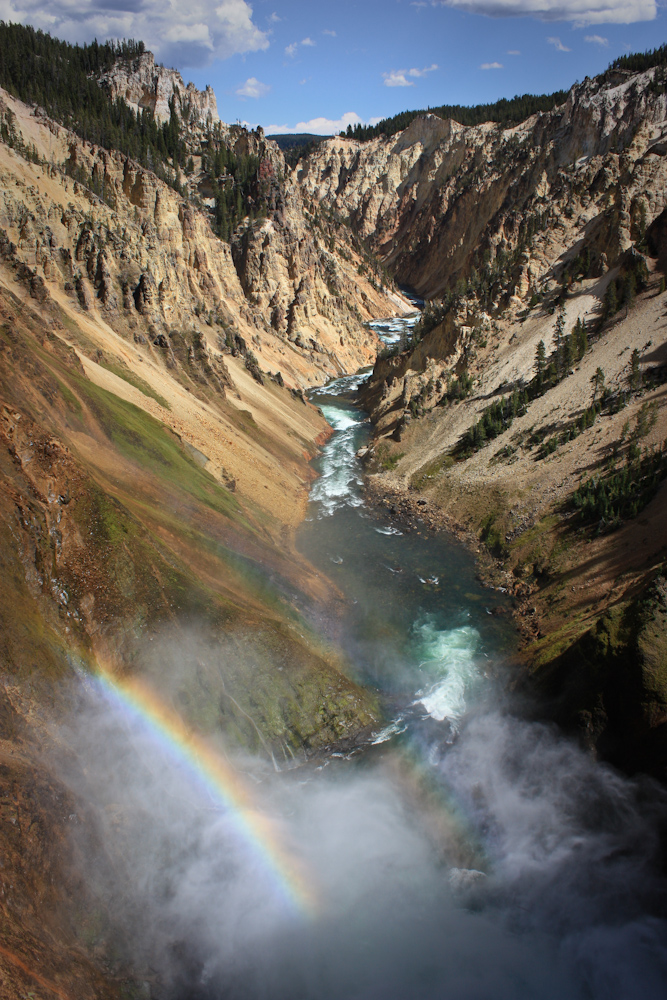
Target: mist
[[569, 902]]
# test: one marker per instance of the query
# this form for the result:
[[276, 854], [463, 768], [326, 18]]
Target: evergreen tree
[[540, 363], [634, 378], [559, 340], [610, 300], [597, 381]]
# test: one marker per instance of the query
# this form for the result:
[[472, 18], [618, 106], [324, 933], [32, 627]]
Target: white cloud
[[291, 50], [558, 45], [423, 72], [397, 78], [329, 31], [582, 12], [192, 34], [252, 88], [274, 18], [513, 52], [493, 65], [321, 126], [597, 40]]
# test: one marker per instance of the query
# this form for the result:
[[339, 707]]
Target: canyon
[[157, 437], [509, 232]]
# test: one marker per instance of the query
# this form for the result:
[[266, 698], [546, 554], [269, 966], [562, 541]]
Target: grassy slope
[[116, 543], [153, 539]]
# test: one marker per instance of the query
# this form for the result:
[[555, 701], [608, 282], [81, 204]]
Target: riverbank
[[408, 510], [590, 610]]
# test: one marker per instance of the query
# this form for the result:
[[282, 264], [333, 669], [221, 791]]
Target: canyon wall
[[155, 442], [536, 234], [440, 199], [145, 84]]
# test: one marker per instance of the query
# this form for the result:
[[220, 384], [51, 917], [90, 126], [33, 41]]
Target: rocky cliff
[[154, 462], [441, 202], [155, 437], [108, 234], [535, 378], [145, 84]]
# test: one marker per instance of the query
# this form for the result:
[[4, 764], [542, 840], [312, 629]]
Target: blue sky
[[307, 66]]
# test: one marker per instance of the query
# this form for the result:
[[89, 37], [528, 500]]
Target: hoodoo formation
[[172, 290]]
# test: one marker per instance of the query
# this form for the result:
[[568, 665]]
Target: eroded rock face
[[439, 199], [143, 83], [120, 241]]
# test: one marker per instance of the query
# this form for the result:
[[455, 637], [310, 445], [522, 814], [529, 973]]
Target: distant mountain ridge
[[514, 109]]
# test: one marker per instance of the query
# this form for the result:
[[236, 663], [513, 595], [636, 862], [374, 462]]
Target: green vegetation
[[621, 494], [433, 314], [146, 441], [504, 111], [135, 380], [548, 445], [240, 185], [549, 371], [62, 79], [10, 134], [297, 146], [639, 62], [493, 538], [388, 460], [458, 388], [622, 290], [431, 470], [495, 419], [568, 350], [491, 277]]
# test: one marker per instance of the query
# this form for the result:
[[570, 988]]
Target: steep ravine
[[154, 463], [441, 202], [588, 596], [155, 448], [460, 850], [509, 231]]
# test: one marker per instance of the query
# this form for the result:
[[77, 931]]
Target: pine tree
[[634, 378], [540, 363], [597, 381], [559, 341], [610, 300]]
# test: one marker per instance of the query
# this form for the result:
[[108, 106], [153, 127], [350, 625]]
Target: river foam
[[451, 656], [340, 480]]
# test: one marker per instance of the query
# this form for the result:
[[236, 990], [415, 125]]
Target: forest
[[61, 79], [515, 109]]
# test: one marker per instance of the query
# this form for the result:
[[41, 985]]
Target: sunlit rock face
[[143, 83], [439, 198], [139, 253]]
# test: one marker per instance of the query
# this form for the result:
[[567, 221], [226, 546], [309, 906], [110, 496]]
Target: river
[[535, 871], [419, 628], [461, 853]]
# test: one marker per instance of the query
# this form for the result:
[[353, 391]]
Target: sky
[[309, 66]]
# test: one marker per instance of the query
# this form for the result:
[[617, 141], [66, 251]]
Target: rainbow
[[221, 780]]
